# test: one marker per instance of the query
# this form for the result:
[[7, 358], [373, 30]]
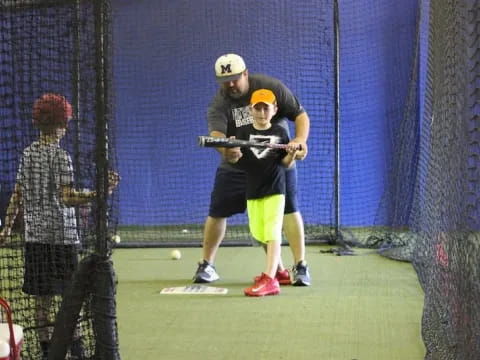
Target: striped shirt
[[43, 169]]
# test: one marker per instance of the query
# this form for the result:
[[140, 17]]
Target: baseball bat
[[212, 141]]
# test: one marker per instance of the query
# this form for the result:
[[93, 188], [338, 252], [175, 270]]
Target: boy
[[44, 192], [266, 187]]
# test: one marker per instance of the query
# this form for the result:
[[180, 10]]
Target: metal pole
[[336, 54], [101, 133], [76, 105]]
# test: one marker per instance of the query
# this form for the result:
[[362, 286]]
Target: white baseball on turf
[[176, 254], [185, 231], [116, 239]]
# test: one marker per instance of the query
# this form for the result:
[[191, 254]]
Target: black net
[[447, 215], [410, 115], [54, 62], [429, 212], [164, 81]]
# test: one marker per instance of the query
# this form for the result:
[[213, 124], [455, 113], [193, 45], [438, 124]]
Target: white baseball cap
[[229, 67]]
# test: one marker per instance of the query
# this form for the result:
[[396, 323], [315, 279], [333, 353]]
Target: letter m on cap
[[226, 68]]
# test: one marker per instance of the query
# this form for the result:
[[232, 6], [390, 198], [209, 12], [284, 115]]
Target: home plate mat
[[194, 290]]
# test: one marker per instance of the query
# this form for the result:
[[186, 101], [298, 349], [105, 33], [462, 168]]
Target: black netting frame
[[63, 47]]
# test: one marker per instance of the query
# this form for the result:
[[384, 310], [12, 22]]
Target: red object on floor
[[11, 336]]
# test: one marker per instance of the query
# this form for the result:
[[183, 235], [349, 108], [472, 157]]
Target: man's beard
[[237, 94]]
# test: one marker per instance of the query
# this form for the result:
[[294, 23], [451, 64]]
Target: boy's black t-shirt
[[265, 171]]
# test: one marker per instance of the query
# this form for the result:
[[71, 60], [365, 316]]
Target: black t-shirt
[[228, 115], [265, 171]]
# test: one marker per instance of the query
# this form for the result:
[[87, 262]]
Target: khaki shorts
[[265, 218]]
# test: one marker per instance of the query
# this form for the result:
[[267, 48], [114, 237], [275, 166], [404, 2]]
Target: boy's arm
[[11, 215], [72, 197], [289, 159]]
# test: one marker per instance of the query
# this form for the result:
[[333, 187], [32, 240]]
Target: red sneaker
[[264, 286], [283, 277]]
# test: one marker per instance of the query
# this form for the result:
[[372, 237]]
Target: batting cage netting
[[165, 79], [392, 90], [429, 211], [57, 177]]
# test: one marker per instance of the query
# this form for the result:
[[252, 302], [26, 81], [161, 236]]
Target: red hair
[[51, 111]]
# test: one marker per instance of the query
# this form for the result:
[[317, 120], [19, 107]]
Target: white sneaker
[[206, 273]]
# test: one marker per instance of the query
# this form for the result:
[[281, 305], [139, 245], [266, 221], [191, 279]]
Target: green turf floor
[[358, 307]]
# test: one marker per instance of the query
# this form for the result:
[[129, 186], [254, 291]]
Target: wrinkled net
[[60, 47]]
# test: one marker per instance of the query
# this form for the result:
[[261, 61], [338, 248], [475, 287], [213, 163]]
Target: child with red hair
[[44, 191]]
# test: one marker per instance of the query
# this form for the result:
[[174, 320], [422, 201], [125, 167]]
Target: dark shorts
[[229, 193], [48, 268]]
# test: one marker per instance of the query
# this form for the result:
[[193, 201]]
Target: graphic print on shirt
[[242, 116], [262, 153]]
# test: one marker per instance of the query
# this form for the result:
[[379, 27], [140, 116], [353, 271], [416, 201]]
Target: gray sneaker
[[301, 276], [206, 273]]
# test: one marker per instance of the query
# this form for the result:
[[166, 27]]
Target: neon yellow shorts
[[265, 217]]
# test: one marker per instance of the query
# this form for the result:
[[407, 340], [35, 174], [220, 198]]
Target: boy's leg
[[77, 350], [282, 274], [281, 266], [273, 258], [42, 316], [265, 220]]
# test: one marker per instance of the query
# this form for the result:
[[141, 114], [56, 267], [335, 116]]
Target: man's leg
[[227, 199], [213, 234], [294, 232]]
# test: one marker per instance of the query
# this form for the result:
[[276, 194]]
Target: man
[[228, 111]]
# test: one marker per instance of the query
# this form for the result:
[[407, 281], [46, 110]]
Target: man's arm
[[229, 154], [302, 130], [290, 107]]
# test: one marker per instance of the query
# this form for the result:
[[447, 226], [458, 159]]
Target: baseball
[[176, 254], [116, 239]]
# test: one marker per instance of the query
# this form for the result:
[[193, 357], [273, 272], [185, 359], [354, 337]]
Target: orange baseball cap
[[263, 96]]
